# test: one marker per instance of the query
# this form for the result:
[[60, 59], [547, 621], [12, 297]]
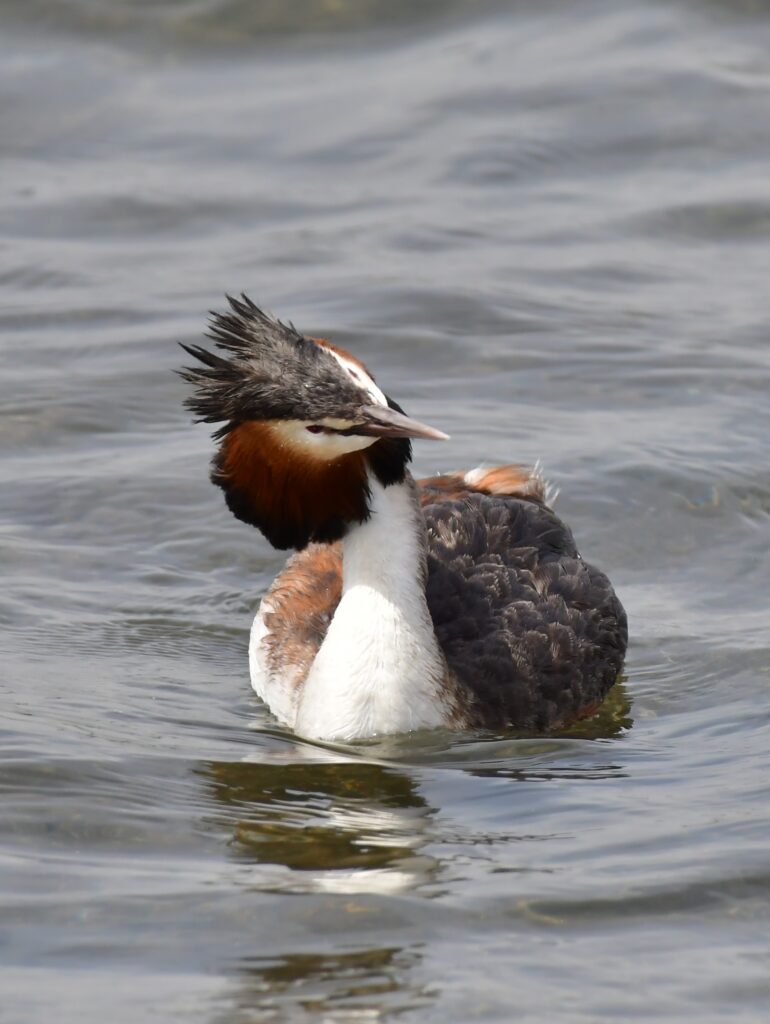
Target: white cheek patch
[[294, 435], [361, 377]]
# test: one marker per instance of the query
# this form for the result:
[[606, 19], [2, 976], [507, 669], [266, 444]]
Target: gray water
[[545, 227]]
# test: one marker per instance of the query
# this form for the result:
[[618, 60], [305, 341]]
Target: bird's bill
[[380, 421]]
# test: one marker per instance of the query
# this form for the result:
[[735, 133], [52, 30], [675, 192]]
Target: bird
[[456, 602]]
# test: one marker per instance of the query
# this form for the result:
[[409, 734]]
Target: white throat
[[379, 669]]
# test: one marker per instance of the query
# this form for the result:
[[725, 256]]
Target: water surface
[[545, 227]]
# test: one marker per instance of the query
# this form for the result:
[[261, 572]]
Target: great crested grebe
[[458, 601]]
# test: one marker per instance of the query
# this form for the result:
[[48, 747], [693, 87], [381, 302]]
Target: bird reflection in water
[[345, 832], [341, 825], [317, 820], [349, 833], [359, 985]]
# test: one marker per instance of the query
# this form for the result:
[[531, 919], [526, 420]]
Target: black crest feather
[[271, 371]]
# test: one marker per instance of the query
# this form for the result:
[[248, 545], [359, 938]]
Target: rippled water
[[546, 227]]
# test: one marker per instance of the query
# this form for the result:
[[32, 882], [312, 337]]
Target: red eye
[[314, 429]]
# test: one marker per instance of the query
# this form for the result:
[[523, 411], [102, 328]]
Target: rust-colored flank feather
[[512, 481]]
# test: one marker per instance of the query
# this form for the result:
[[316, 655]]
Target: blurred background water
[[545, 226]]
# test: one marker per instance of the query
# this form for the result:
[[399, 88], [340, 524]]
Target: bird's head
[[303, 425]]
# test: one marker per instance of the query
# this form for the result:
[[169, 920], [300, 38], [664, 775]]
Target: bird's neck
[[380, 669]]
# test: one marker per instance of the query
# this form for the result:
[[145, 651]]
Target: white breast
[[380, 669]]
